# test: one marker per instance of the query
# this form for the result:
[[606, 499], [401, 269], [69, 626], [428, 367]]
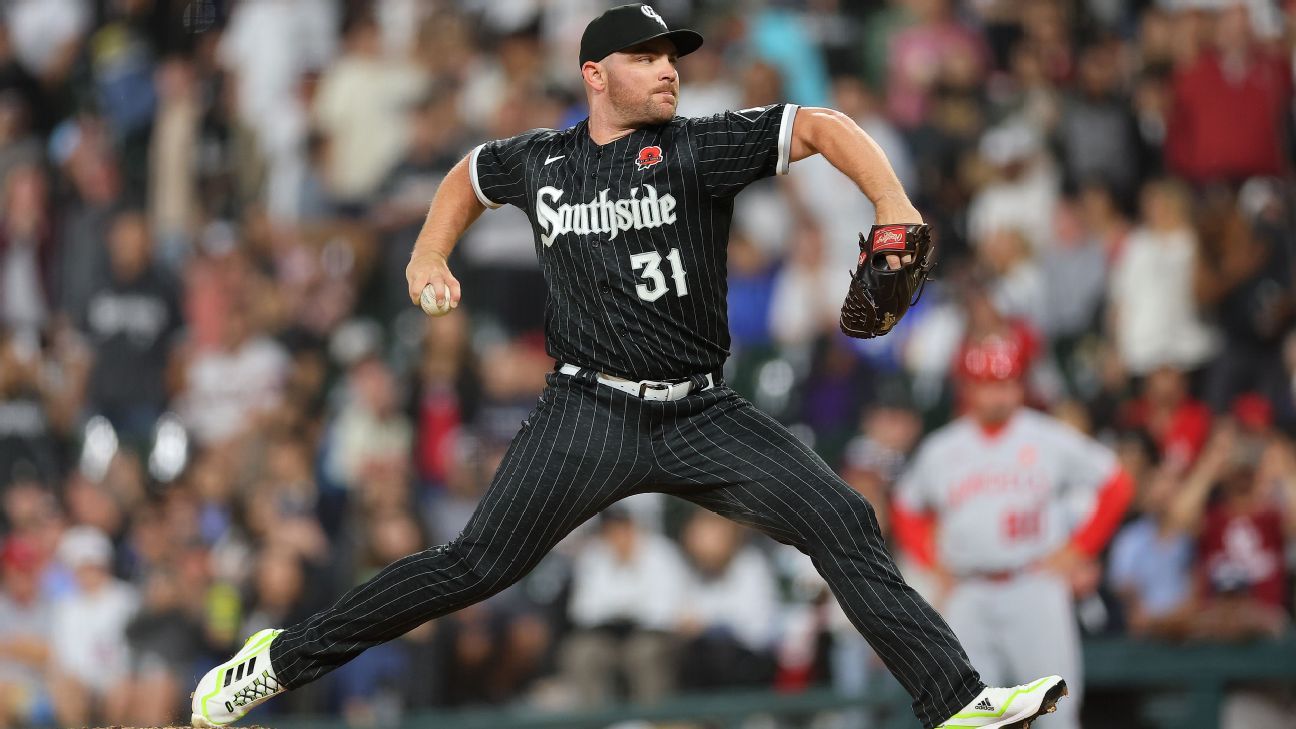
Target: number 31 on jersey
[[656, 286]]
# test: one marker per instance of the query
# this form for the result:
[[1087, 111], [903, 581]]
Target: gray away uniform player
[[630, 211], [1005, 504]]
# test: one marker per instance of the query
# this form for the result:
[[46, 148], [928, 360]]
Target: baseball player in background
[[630, 211], [1006, 505]]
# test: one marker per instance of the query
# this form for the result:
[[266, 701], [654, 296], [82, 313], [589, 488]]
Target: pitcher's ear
[[594, 75]]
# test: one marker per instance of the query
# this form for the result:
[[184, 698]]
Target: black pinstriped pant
[[586, 446]]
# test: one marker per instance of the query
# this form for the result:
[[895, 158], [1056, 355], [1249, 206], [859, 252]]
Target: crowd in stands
[[219, 411]]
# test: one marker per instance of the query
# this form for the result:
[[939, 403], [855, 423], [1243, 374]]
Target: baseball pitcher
[[630, 211]]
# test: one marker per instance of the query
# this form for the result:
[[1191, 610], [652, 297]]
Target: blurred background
[[218, 410]]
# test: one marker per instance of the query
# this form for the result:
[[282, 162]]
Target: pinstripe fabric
[[594, 315], [584, 447]]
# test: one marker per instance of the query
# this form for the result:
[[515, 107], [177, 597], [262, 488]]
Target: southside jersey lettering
[[632, 235], [602, 215]]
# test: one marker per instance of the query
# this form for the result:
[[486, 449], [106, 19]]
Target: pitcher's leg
[[574, 457], [744, 465]]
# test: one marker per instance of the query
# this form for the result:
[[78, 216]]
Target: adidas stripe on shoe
[[232, 689]]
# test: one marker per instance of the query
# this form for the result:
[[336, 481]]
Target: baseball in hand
[[433, 307]]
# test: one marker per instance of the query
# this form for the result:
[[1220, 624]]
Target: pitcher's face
[[643, 83]]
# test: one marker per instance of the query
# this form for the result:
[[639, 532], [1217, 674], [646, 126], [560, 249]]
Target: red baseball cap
[[995, 358]]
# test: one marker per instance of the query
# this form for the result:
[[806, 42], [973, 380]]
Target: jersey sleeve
[[498, 169], [736, 148], [1086, 463]]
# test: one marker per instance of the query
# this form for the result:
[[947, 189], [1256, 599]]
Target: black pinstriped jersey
[[632, 235]]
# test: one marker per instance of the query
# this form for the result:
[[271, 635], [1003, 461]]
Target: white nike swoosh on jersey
[[554, 159]]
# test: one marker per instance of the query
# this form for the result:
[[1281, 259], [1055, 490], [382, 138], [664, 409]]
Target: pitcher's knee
[[853, 516], [850, 529], [480, 570]]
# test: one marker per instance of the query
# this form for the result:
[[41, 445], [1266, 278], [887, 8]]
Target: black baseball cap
[[627, 25]]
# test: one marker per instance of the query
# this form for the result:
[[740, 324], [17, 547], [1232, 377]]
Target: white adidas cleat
[[232, 689], [1010, 708]]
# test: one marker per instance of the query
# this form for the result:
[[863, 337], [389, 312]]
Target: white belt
[[645, 389]]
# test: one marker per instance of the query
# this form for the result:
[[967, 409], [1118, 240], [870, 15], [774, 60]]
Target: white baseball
[[432, 307]]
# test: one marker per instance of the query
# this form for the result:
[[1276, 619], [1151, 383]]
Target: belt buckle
[[644, 387]]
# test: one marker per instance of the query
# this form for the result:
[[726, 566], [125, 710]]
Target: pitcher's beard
[[638, 111], [656, 113]]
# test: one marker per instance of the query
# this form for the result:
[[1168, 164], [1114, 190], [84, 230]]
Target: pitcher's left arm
[[818, 130], [896, 254]]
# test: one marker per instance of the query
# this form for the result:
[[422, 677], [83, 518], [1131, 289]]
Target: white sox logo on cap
[[648, 10]]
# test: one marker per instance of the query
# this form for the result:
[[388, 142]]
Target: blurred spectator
[[175, 205], [282, 516], [805, 293], [729, 608], [23, 105], [1045, 25], [47, 34], [28, 438], [1152, 305], [710, 89], [627, 593], [1227, 119], [493, 80], [85, 215], [25, 254], [782, 39], [165, 640], [1023, 192], [1033, 96], [370, 430], [121, 64], [1151, 563], [131, 319], [923, 55], [1250, 288], [1242, 536], [1097, 129], [91, 656], [447, 398], [1087, 230], [358, 107], [26, 631], [1169, 416], [266, 46], [1018, 285], [278, 592], [875, 457], [752, 280], [228, 387]]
